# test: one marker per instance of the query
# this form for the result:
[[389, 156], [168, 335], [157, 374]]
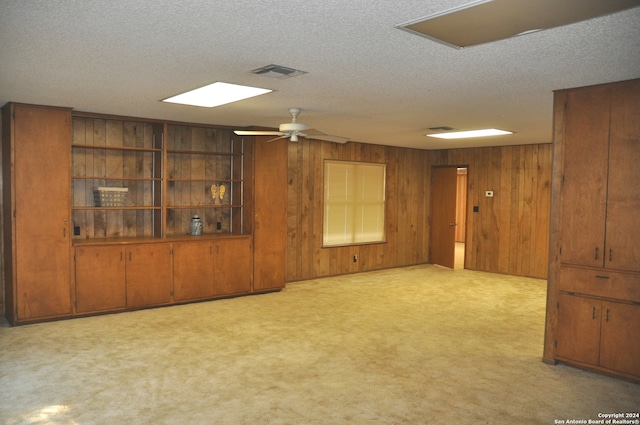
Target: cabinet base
[[12, 322], [550, 361], [593, 368]]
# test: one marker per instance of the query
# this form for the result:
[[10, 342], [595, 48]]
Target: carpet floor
[[415, 345]]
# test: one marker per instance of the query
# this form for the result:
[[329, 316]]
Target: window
[[354, 198]]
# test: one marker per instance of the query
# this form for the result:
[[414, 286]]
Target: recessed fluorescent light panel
[[216, 94], [471, 133], [485, 21]]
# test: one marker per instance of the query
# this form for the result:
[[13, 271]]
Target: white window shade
[[354, 202]]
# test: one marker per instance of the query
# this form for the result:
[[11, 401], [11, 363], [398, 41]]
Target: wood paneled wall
[[407, 209], [510, 232]]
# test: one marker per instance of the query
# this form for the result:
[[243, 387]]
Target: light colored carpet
[[417, 345]]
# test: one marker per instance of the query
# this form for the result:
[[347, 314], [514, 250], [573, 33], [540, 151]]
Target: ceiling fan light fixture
[[485, 132], [216, 94]]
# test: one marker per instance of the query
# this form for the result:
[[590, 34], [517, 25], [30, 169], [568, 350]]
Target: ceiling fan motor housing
[[292, 126]]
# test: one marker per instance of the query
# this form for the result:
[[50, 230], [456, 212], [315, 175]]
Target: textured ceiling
[[367, 80]]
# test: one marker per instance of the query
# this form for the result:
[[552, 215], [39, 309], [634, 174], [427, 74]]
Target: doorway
[[448, 216], [461, 217]]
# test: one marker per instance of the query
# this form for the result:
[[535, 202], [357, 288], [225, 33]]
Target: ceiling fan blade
[[285, 136], [329, 138], [318, 135], [258, 133]]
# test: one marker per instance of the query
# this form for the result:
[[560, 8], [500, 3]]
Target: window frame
[[356, 167]]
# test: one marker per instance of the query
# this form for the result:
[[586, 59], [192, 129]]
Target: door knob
[[453, 224]]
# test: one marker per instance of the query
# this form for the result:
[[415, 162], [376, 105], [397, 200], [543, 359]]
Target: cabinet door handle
[[610, 254], [600, 276], [593, 312], [597, 252], [607, 317]]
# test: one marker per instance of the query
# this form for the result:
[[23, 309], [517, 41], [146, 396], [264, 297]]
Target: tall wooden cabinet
[[593, 310], [97, 212], [270, 231], [36, 212]]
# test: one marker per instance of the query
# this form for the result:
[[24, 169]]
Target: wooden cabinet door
[[620, 341], [578, 332], [232, 266], [270, 225], [100, 279], [584, 189], [622, 250], [192, 270], [149, 274], [41, 158]]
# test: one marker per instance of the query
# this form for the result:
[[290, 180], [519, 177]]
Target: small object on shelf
[[109, 196], [214, 193], [223, 189], [195, 226]]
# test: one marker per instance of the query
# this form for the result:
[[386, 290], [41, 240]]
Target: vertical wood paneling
[[99, 163], [406, 228], [129, 139], [114, 168], [510, 195], [509, 233], [543, 206], [79, 163]]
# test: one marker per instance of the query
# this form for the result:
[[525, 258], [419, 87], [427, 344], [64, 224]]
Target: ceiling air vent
[[278, 71]]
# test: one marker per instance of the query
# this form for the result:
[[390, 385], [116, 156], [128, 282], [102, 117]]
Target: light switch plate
[[488, 193]]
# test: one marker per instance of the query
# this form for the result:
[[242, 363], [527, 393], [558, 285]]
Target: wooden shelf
[[188, 152], [123, 208], [195, 207], [117, 148], [204, 180], [144, 179], [114, 241], [168, 168]]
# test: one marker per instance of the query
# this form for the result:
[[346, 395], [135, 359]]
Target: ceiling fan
[[293, 130]]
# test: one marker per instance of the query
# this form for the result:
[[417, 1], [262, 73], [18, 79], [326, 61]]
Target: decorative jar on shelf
[[195, 226]]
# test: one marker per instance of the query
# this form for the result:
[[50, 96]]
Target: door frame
[[465, 215]]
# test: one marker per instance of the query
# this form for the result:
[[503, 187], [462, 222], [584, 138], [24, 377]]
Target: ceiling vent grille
[[278, 71]]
